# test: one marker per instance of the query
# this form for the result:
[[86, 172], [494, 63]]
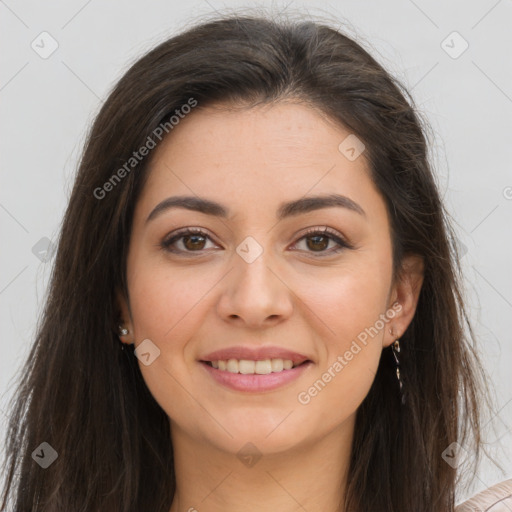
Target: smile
[[255, 376], [247, 366]]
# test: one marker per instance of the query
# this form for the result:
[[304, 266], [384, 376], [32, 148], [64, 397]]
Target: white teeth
[[232, 366], [287, 364], [245, 366], [277, 365], [263, 367], [248, 367]]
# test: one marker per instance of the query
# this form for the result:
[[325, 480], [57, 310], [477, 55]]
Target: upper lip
[[255, 354]]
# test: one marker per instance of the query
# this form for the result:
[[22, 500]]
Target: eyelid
[[327, 231], [181, 232], [331, 233]]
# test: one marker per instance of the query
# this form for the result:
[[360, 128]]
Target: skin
[[191, 303]]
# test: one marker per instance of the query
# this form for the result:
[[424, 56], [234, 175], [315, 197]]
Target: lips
[[256, 383], [254, 354]]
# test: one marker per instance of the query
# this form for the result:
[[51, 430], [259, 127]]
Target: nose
[[255, 294]]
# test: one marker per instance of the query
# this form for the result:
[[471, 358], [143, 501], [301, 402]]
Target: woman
[[256, 302]]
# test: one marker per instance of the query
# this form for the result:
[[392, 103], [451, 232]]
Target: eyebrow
[[287, 209]]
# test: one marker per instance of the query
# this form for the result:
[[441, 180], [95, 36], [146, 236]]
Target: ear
[[124, 318], [405, 291]]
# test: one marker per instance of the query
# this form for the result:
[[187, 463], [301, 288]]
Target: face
[[261, 277]]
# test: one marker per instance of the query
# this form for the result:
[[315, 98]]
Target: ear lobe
[[124, 319]]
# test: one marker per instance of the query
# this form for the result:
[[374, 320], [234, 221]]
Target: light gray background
[[48, 103]]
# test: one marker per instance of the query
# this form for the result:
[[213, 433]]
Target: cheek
[[351, 311], [164, 310], [348, 302], [162, 301], [350, 352]]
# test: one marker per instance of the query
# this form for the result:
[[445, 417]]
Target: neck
[[308, 477]]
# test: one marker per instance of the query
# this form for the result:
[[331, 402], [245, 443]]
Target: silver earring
[[123, 331], [396, 351]]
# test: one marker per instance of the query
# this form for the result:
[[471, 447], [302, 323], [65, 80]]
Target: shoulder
[[497, 498]]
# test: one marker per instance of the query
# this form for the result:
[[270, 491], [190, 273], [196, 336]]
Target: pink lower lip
[[255, 383]]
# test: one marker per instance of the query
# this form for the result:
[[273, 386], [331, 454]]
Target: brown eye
[[195, 240], [191, 240], [317, 241]]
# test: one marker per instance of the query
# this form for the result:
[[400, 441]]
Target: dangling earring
[[396, 351]]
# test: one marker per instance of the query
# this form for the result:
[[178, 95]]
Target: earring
[[396, 351], [123, 331]]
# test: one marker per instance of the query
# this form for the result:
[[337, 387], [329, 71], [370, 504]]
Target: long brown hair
[[86, 398]]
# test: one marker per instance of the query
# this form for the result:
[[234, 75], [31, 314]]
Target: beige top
[[497, 498]]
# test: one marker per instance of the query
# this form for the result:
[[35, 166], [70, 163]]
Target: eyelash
[[331, 235]]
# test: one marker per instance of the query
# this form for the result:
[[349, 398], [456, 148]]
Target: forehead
[[280, 133], [254, 156]]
